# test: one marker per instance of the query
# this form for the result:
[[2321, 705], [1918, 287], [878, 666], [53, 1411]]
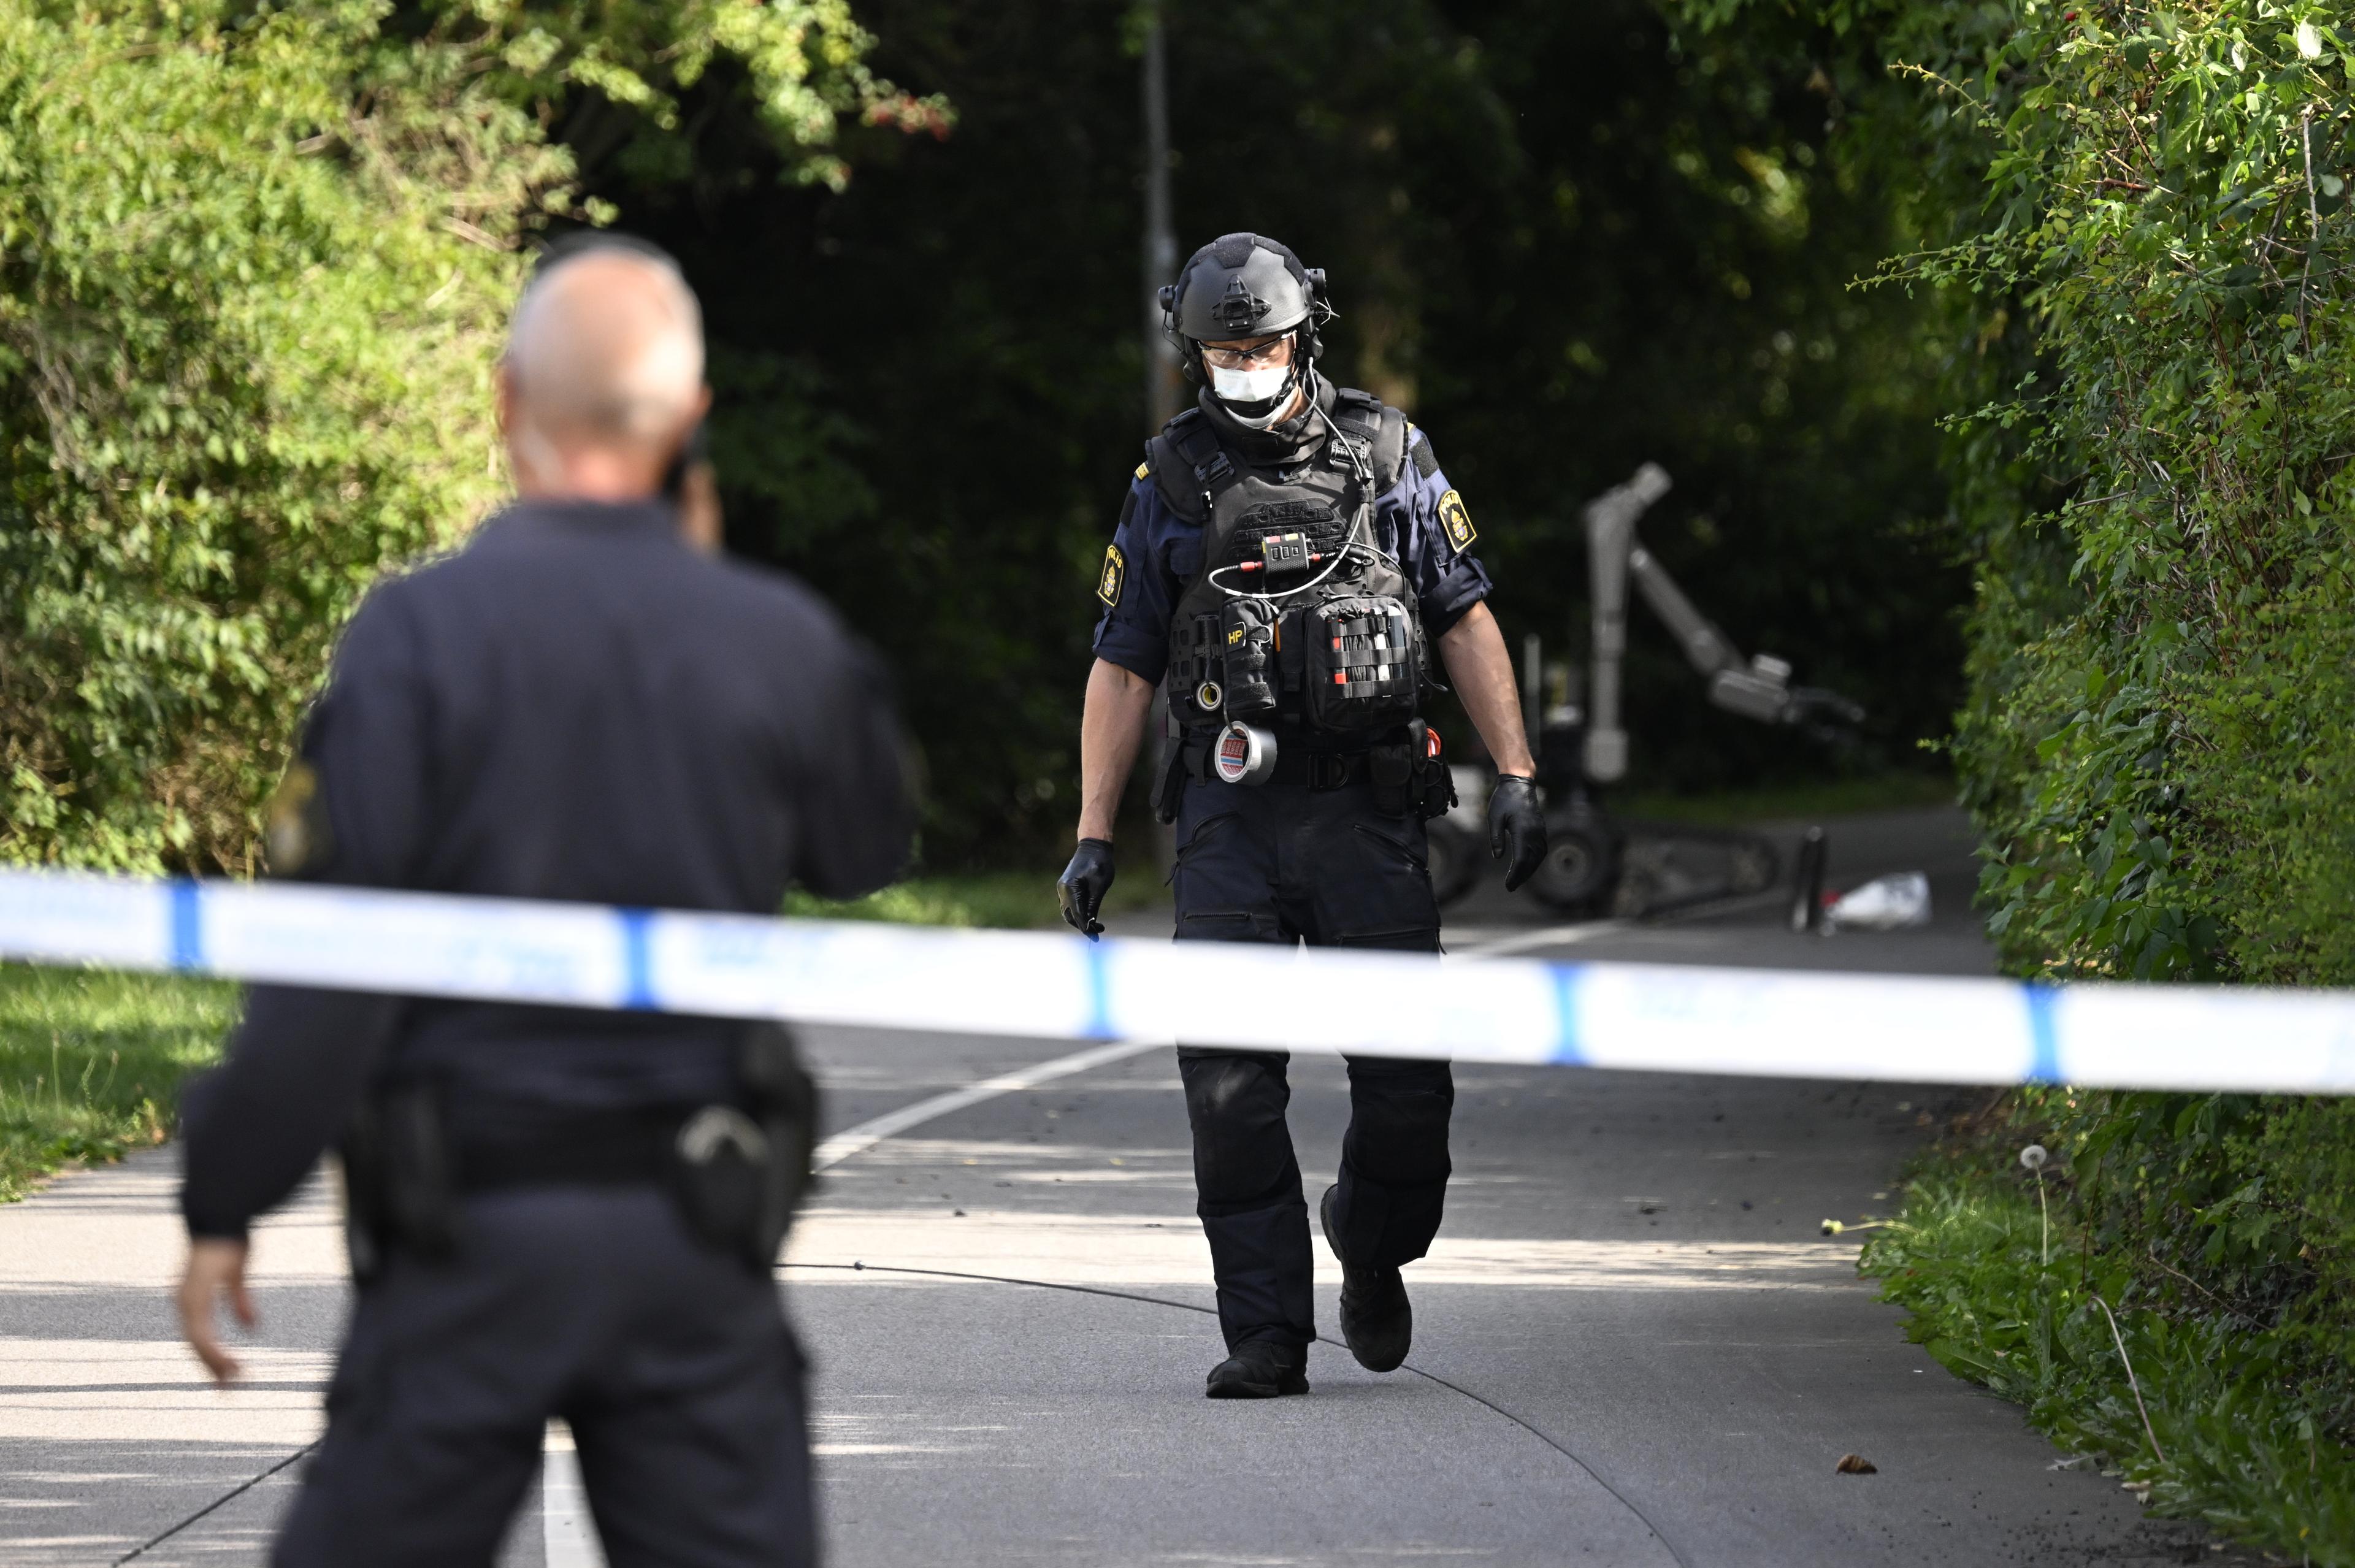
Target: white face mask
[[1249, 386]]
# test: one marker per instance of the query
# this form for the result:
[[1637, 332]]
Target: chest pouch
[[1248, 643], [1197, 666], [1361, 667]]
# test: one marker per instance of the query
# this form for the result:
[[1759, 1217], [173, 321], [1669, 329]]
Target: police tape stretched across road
[[1777, 1023]]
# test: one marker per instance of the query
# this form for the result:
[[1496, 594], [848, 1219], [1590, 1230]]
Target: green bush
[[254, 266], [2134, 228]]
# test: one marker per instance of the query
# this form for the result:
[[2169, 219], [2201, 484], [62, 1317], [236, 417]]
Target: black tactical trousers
[[671, 1361], [1284, 863]]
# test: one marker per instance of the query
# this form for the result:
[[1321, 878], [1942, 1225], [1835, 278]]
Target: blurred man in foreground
[[557, 1212]]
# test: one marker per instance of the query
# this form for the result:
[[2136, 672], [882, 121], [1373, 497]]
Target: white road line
[[565, 1528], [573, 1541], [1544, 936], [567, 1533], [867, 1135]]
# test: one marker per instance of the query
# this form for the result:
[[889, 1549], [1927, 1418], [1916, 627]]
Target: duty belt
[[605, 1148], [1295, 764]]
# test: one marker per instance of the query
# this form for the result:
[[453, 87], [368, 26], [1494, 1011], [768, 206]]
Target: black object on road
[[1808, 882]]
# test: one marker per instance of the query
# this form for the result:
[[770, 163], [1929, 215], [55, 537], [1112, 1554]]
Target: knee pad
[[1242, 1149]]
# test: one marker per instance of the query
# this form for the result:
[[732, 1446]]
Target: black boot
[[1260, 1369], [1376, 1317]]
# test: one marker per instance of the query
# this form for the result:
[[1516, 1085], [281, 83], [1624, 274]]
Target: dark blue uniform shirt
[[577, 706], [1419, 520]]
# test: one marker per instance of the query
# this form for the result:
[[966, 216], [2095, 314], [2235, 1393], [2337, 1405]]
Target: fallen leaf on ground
[[1856, 1465]]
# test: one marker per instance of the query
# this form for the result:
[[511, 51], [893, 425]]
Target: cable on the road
[[217, 1503], [1491, 1405]]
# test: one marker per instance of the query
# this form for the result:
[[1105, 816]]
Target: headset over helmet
[[1238, 288]]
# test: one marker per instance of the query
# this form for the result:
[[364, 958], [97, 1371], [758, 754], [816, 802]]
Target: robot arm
[[1758, 689], [1610, 539]]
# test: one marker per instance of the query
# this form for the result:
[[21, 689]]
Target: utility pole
[[1163, 391]]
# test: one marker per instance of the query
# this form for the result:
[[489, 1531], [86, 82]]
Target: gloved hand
[[1516, 829], [1085, 881]]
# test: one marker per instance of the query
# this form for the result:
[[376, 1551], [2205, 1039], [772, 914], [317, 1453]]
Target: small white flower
[[2309, 40], [2033, 1157]]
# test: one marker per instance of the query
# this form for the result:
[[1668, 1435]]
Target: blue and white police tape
[[1777, 1023]]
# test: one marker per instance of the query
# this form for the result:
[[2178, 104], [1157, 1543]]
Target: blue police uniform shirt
[[576, 707], [1420, 520]]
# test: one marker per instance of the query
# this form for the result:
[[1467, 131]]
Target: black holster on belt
[[736, 1171], [401, 1176], [739, 1175], [1171, 792], [1407, 779]]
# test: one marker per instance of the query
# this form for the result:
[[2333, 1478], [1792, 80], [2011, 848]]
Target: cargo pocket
[[1397, 848], [1225, 925], [1206, 831]]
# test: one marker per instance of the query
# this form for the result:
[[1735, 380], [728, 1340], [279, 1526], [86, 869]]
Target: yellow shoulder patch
[[294, 832], [1114, 577], [1457, 521], [1143, 469]]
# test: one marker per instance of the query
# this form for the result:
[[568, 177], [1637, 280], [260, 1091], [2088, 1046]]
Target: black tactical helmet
[[1243, 285]]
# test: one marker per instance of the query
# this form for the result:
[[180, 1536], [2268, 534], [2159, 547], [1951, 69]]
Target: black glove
[[1516, 829], [1084, 883]]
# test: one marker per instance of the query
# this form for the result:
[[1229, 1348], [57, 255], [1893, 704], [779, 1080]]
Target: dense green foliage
[[90, 1064], [2133, 232], [2156, 740], [254, 265], [1565, 240], [2247, 1397]]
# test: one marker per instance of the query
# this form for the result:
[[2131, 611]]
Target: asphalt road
[[1633, 1345]]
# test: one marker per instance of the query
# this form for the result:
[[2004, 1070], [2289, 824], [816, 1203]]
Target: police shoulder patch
[[1115, 576], [1456, 520], [1143, 470], [295, 836]]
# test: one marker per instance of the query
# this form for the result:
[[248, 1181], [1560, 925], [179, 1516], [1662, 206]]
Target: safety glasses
[[1244, 358]]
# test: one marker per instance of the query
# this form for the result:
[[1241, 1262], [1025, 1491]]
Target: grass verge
[[91, 1061], [1010, 899], [92, 1064], [2223, 1418]]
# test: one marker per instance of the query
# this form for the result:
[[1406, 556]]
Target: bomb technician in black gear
[[558, 1211], [1292, 564]]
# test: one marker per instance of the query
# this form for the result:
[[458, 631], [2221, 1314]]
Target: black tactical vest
[[1315, 646]]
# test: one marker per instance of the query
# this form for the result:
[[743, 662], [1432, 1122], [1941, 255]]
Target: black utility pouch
[[1438, 791], [1171, 794], [739, 1174], [399, 1178], [1364, 670], [1391, 771], [1249, 637]]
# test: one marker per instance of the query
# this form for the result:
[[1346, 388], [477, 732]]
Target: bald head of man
[[602, 380]]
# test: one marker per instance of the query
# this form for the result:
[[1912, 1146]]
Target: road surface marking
[[867, 1135]]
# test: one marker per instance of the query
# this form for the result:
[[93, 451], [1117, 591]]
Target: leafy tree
[[254, 265], [1566, 240]]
